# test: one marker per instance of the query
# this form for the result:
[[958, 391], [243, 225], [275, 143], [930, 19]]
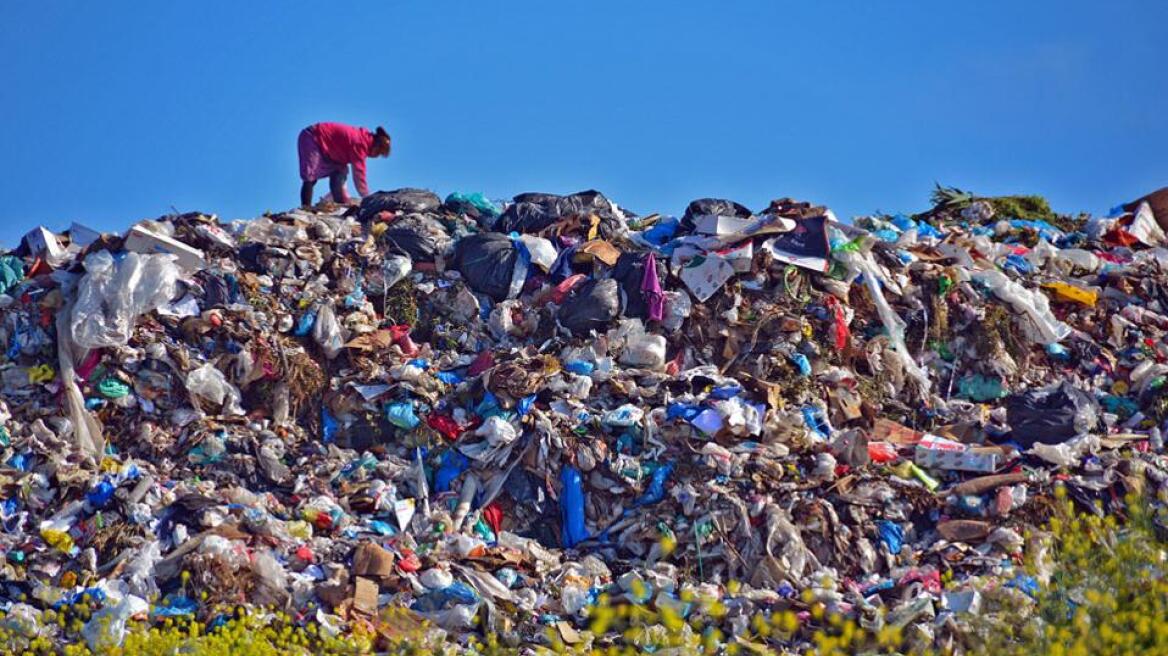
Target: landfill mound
[[492, 413]]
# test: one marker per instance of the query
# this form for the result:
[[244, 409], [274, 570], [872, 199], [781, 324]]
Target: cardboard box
[[886, 430], [713, 224], [83, 235], [939, 453], [141, 240], [705, 275], [41, 241]]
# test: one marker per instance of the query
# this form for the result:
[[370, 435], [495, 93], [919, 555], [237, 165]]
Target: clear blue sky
[[111, 111]]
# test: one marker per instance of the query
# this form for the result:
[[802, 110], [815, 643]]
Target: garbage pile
[[491, 414]]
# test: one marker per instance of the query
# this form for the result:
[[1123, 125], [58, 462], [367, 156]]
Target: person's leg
[[337, 185], [311, 165]]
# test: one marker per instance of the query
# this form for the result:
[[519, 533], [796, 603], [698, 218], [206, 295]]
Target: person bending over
[[327, 150]]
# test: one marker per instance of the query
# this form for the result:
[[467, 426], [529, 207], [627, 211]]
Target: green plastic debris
[[484, 530], [944, 284], [113, 388], [11, 273], [980, 388], [476, 200]]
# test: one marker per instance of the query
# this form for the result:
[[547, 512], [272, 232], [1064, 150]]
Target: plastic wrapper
[[394, 269]]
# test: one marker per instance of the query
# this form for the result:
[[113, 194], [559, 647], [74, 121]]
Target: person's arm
[[359, 178]]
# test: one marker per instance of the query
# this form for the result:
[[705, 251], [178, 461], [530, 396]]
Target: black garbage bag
[[591, 306], [534, 211], [630, 271], [1050, 416], [398, 200], [715, 206], [420, 237], [487, 262], [526, 218]]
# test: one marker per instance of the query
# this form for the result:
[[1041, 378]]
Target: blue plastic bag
[[803, 364], [453, 464], [816, 420], [903, 222], [488, 407], [328, 425], [401, 414], [656, 490], [891, 534], [304, 326], [175, 606], [725, 392], [455, 594], [101, 494], [581, 367], [684, 411], [572, 529], [662, 231], [476, 200]]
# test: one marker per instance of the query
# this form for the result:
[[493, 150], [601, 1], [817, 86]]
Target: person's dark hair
[[380, 133]]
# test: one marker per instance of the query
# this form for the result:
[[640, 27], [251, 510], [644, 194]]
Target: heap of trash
[[491, 414]]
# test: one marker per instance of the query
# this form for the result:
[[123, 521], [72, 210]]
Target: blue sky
[[112, 112]]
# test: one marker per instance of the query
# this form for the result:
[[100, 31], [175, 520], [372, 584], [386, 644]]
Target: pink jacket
[[345, 144]]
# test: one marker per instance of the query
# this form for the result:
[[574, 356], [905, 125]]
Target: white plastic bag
[[327, 332], [209, 383], [677, 308], [139, 573], [645, 351], [892, 321], [1033, 304], [87, 430], [107, 628], [112, 295], [636, 347], [497, 431], [543, 253], [436, 579], [395, 269]]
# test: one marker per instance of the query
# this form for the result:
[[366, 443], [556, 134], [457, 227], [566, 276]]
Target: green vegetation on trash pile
[[949, 201], [1092, 584]]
